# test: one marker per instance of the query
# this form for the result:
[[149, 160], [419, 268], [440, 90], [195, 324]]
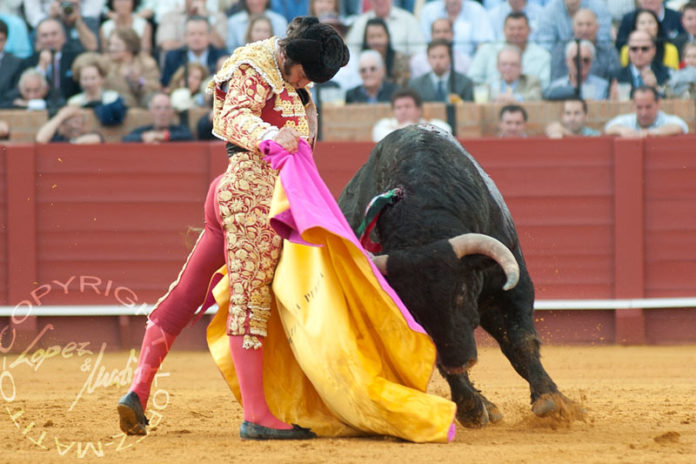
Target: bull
[[451, 252]]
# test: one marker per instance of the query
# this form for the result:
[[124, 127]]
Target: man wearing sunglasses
[[591, 87], [642, 69]]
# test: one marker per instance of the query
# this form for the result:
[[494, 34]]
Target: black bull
[[446, 194]]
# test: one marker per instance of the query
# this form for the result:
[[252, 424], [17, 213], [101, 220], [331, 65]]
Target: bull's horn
[[470, 244], [381, 263]]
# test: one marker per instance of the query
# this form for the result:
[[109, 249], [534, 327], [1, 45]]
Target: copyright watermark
[[92, 371]]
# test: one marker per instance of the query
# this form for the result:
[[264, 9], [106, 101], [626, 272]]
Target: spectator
[[328, 12], [442, 84], [290, 9], [68, 125], [573, 121], [407, 109], [237, 23], [513, 86], [497, 15], [669, 19], [665, 52], [404, 30], [162, 128], [642, 70], [54, 58], [606, 63], [122, 17], [10, 64], [688, 21], [490, 4], [618, 8], [374, 88], [556, 25], [591, 87], [171, 22], [197, 49], [30, 94], [132, 73], [4, 130], [82, 32], [536, 61], [16, 35], [683, 82], [396, 63], [471, 24], [648, 119], [440, 29], [36, 11], [512, 121], [259, 28], [186, 87], [89, 70]]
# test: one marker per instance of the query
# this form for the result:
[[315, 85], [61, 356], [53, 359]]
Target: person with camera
[[80, 18]]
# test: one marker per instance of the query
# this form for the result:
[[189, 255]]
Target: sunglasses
[[643, 49], [368, 69], [586, 60]]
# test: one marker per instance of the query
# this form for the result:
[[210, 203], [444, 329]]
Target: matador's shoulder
[[258, 55]]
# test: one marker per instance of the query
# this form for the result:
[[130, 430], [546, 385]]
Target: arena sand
[[640, 402]]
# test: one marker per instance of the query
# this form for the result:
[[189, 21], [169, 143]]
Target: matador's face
[[294, 74]]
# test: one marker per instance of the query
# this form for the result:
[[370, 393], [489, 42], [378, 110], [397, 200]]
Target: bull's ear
[[381, 263]]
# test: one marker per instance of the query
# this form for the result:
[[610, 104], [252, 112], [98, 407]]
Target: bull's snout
[[461, 369]]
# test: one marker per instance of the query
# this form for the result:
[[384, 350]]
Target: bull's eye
[[459, 300]]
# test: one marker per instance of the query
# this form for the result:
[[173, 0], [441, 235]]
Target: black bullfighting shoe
[[132, 419], [251, 431]]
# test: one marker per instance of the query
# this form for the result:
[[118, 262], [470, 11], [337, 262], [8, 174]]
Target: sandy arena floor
[[641, 404]]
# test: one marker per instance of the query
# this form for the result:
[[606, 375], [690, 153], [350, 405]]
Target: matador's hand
[[287, 138]]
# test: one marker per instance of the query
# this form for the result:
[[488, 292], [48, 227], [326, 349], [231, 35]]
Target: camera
[[67, 8]]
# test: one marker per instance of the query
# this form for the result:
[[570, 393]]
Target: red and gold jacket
[[252, 101]]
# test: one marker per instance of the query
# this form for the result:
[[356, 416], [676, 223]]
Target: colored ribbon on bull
[[343, 355], [372, 212]]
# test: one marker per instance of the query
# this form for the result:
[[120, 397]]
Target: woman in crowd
[[396, 64], [186, 87], [121, 16], [132, 73], [259, 28], [665, 53], [238, 22]]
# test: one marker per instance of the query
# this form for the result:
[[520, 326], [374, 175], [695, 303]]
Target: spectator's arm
[[621, 131], [180, 133], [48, 130], [88, 39], [4, 130], [134, 136], [666, 130]]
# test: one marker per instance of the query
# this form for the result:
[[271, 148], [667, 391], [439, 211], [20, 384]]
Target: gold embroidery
[[252, 246]]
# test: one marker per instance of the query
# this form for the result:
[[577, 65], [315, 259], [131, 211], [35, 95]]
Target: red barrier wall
[[597, 217]]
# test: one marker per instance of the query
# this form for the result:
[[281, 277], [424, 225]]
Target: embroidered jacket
[[251, 99]]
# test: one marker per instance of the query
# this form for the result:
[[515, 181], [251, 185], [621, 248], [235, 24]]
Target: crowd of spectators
[[106, 56]]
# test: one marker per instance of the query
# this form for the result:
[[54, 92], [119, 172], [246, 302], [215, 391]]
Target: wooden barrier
[[597, 218], [355, 122]]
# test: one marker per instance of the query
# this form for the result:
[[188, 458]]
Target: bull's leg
[[514, 331], [473, 409]]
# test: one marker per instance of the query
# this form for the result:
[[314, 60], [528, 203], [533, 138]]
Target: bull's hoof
[[494, 414], [473, 415], [558, 407]]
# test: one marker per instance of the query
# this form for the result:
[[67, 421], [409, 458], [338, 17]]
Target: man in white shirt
[[403, 27], [536, 61], [497, 15], [407, 108], [441, 29], [648, 119], [471, 24]]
